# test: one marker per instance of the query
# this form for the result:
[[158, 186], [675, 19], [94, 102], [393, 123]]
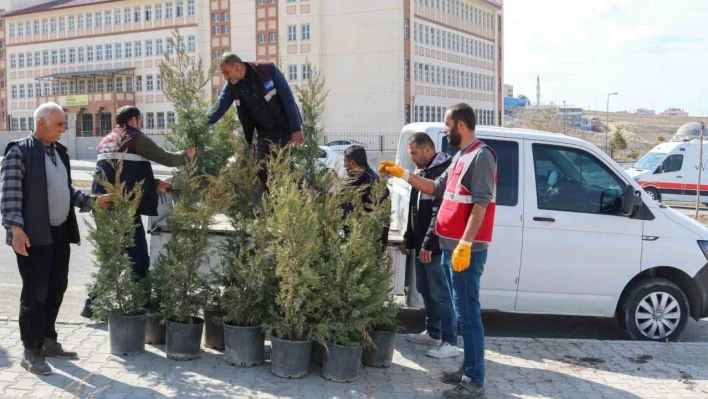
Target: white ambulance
[[669, 172], [575, 234]]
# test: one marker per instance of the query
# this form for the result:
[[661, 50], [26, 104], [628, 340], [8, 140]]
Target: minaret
[[538, 91]]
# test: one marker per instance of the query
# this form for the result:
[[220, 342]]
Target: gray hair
[[230, 59], [44, 110]]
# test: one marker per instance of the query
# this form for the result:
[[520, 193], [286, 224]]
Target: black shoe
[[33, 361], [53, 348], [87, 312], [452, 377]]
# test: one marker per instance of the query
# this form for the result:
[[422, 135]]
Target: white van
[[576, 235], [669, 171]]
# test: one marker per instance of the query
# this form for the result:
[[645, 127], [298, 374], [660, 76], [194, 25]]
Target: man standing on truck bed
[[431, 279], [264, 103], [464, 224]]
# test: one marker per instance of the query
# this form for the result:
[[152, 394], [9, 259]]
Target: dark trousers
[[264, 149], [44, 275], [139, 253]]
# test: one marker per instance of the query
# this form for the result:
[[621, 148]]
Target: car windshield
[[650, 160]]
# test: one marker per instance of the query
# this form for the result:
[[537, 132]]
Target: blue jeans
[[465, 293], [435, 286]]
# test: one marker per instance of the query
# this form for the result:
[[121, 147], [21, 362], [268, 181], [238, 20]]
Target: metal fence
[[630, 154], [370, 141]]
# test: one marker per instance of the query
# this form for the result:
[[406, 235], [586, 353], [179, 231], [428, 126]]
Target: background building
[[386, 62], [508, 90], [674, 112]]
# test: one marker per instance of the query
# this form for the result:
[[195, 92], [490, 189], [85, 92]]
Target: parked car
[[669, 171], [332, 160], [575, 234], [341, 145]]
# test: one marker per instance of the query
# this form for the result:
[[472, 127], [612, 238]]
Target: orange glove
[[390, 168], [461, 256]]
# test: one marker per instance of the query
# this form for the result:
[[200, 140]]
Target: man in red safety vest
[[465, 225]]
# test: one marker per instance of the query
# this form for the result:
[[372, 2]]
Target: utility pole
[[700, 170], [563, 116]]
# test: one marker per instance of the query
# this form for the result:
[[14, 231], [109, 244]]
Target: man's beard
[[453, 137]]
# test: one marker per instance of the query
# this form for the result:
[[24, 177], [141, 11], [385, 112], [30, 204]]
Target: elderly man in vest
[[137, 150], [38, 202], [264, 103], [464, 225]]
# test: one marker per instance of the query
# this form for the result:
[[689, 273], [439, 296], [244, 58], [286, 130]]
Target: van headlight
[[704, 247]]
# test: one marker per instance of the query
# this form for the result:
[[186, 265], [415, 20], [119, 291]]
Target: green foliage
[[246, 272], [180, 287], [117, 291], [185, 81], [618, 141], [661, 139]]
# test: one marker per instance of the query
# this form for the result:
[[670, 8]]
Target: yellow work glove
[[461, 256], [390, 168]]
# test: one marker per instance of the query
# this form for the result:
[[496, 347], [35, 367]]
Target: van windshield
[[650, 160]]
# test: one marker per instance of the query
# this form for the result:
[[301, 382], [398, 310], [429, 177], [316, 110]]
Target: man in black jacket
[[432, 281]]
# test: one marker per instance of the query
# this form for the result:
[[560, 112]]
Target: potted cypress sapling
[[179, 283], [118, 294], [383, 330], [291, 216], [358, 276]]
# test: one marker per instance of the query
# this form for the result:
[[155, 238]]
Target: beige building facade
[[386, 62]]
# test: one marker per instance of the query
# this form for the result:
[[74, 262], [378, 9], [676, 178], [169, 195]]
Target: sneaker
[[452, 377], [466, 389], [424, 339], [443, 351], [53, 348], [33, 361]]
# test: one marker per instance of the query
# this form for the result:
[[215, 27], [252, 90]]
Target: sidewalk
[[516, 368]]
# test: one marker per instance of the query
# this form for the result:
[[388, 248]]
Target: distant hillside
[[645, 128]]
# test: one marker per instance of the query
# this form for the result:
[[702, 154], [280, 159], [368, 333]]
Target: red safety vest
[[456, 206]]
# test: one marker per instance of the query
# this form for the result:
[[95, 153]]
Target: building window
[[261, 37], [306, 32], [126, 15], [13, 61], [215, 17], [82, 86], [119, 84], [160, 120], [215, 30], [72, 55], [55, 57], [29, 60], [149, 120], [292, 32], [62, 56], [292, 72], [158, 82], [128, 83], [149, 83], [180, 45], [168, 10], [64, 87], [22, 91], [45, 25], [21, 61], [89, 53], [170, 47], [89, 20], [158, 11], [138, 49], [306, 72], [138, 83], [215, 55], [159, 50], [72, 87], [148, 13], [36, 27], [11, 30], [107, 18], [79, 22], [109, 85], [99, 85], [14, 92], [37, 58], [23, 124], [190, 8], [53, 24], [170, 119], [119, 51], [225, 17], [225, 29], [136, 14], [109, 51], [148, 48], [98, 19], [128, 50], [273, 37], [191, 44], [408, 70], [407, 28], [261, 2], [20, 29], [180, 8]]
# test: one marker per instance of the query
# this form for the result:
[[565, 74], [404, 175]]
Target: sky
[[654, 53]]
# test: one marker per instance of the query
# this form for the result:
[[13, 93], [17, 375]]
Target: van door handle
[[679, 177], [540, 219]]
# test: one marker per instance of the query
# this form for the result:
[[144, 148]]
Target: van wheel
[[655, 310], [653, 193]]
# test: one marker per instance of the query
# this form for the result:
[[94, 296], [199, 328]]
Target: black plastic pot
[[381, 355], [290, 359], [245, 346], [213, 331], [155, 330], [317, 353], [184, 340], [341, 363], [126, 333]]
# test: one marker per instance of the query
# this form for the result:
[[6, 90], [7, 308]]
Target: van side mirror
[[631, 200]]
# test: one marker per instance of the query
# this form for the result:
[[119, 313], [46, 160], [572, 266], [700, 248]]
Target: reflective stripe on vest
[[456, 206], [270, 94], [121, 155]]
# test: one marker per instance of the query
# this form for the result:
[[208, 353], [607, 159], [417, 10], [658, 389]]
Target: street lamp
[[607, 122], [563, 116]]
